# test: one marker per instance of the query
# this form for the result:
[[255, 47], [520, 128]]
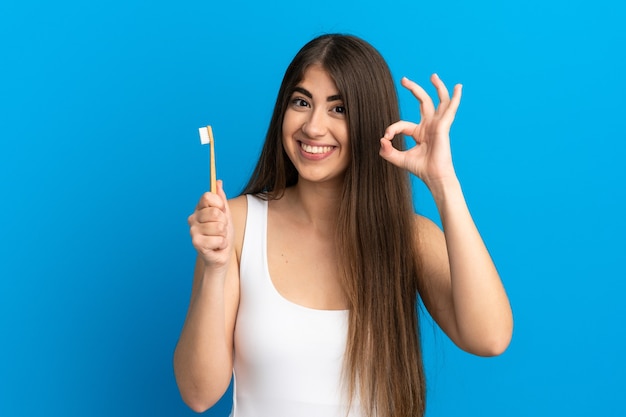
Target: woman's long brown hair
[[375, 231]]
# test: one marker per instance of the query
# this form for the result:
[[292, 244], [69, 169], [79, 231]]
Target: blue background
[[100, 165]]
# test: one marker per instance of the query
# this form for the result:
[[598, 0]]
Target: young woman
[[307, 284]]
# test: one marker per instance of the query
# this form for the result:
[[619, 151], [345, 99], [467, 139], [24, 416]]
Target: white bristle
[[204, 136]]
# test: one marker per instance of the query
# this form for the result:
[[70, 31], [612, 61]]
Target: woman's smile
[[316, 151]]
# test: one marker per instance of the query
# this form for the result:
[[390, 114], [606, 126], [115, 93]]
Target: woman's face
[[315, 129]]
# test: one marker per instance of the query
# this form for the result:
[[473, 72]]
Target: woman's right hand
[[211, 229]]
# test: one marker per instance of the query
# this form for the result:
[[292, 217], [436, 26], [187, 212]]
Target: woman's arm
[[203, 359], [461, 289]]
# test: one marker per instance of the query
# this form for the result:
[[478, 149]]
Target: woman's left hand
[[430, 159]]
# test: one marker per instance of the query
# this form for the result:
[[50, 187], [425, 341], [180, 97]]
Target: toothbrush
[[206, 138]]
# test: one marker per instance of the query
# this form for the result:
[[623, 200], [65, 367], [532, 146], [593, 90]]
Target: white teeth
[[315, 149]]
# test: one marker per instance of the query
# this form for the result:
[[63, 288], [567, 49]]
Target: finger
[[401, 127], [206, 244], [210, 200], [450, 112], [427, 108], [391, 154], [210, 214], [205, 201], [199, 216], [209, 235], [442, 90], [215, 228]]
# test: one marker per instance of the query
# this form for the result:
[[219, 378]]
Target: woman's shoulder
[[238, 205], [431, 248], [425, 227], [431, 240]]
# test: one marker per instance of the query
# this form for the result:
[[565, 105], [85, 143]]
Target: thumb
[[222, 194], [220, 189]]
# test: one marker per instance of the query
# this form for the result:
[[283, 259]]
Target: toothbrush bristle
[[205, 138]]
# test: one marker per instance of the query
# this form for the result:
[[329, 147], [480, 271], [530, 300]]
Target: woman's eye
[[340, 109], [299, 102]]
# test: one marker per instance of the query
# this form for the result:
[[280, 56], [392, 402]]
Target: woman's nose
[[315, 124]]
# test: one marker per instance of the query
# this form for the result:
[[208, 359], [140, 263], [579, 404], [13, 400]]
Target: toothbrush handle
[[212, 157]]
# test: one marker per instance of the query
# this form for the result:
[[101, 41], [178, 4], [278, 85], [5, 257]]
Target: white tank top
[[288, 358]]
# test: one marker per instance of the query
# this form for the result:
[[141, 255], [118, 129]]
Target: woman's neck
[[315, 203]]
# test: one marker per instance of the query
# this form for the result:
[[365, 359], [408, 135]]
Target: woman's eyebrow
[[309, 95], [303, 91]]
